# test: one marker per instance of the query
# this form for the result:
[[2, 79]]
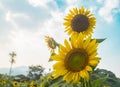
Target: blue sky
[[24, 23]]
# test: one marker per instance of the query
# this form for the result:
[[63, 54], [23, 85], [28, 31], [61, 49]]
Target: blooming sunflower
[[79, 20], [50, 43], [33, 84], [15, 84], [75, 59]]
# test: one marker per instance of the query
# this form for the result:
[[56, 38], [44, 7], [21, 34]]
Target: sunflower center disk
[[80, 23], [76, 60], [51, 44]]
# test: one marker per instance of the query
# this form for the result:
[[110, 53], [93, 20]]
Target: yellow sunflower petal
[[71, 12], [57, 57], [82, 10], [80, 40], [76, 77], [68, 47], [88, 68], [87, 12], [68, 77], [73, 41], [67, 23], [84, 74], [76, 10], [94, 62], [62, 70], [92, 43], [93, 49], [86, 43], [62, 48]]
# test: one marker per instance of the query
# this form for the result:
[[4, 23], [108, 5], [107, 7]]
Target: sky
[[24, 23]]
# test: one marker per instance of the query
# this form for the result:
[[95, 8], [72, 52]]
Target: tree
[[12, 61], [35, 72], [111, 81]]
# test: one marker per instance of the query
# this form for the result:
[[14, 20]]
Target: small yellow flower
[[3, 82], [79, 20], [75, 59], [0, 81], [33, 84], [41, 77], [106, 86], [25, 82], [15, 84], [50, 43]]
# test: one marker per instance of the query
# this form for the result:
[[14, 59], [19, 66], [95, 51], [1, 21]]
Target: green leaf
[[100, 40], [56, 82], [56, 43], [98, 82]]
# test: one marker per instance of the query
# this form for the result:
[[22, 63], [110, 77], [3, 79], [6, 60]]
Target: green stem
[[10, 70]]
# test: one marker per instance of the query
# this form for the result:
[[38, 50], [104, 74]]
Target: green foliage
[[35, 72], [99, 78], [111, 79], [98, 82], [100, 40]]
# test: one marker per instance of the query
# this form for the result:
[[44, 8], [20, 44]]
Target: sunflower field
[[75, 60]]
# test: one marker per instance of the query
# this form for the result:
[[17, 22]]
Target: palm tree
[[12, 60]]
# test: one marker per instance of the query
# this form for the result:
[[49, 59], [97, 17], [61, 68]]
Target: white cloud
[[72, 2], [1, 5], [11, 17], [30, 45], [93, 9], [100, 1], [54, 26], [38, 2], [107, 10]]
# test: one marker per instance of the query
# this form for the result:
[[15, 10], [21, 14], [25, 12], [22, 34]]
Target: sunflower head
[[50, 43], [15, 84], [106, 86], [76, 58], [79, 20], [33, 84], [2, 82]]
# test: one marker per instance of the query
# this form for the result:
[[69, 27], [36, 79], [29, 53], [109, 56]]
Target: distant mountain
[[15, 71]]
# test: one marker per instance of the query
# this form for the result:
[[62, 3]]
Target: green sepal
[[57, 44], [50, 58]]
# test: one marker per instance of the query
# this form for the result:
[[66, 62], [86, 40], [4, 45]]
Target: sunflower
[[2, 82], [15, 84], [50, 43], [106, 86], [79, 20], [76, 59], [25, 82], [33, 84]]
